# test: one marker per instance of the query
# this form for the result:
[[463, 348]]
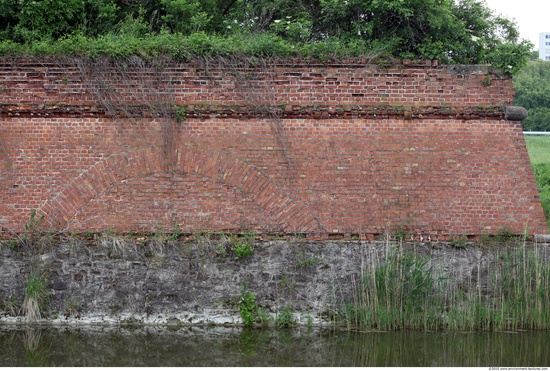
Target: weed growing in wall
[[459, 242], [242, 246], [72, 307], [285, 318], [37, 297], [303, 262], [175, 235], [9, 244], [401, 233], [247, 306], [9, 306], [180, 113], [34, 237], [504, 234]]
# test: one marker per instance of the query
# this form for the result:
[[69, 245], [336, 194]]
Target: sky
[[532, 16]]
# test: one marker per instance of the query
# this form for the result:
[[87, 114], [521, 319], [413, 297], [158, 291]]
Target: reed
[[403, 290]]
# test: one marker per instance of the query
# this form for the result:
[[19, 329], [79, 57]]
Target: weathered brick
[[313, 148]]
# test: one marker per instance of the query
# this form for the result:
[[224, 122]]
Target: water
[[218, 346]]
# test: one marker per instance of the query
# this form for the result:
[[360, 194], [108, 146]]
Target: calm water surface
[[218, 346]]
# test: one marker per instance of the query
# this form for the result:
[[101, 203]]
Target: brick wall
[[345, 148]]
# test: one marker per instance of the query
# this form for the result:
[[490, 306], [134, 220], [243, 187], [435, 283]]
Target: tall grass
[[404, 291], [538, 148], [539, 153], [37, 297]]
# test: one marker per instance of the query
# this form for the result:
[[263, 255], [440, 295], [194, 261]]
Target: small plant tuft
[[459, 242], [180, 113], [9, 307], [175, 235], [505, 234], [73, 307], [285, 319], [242, 246], [247, 306], [302, 262], [37, 297]]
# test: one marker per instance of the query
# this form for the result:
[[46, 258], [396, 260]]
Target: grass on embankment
[[539, 152]]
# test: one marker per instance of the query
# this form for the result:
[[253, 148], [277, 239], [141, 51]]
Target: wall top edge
[[357, 62]]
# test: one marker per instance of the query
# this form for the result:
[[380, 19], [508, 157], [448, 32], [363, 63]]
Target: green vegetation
[[403, 291], [539, 149], [37, 297], [303, 262], [463, 31], [285, 319], [459, 242], [9, 306], [247, 306], [242, 246], [539, 152], [34, 237], [72, 307], [532, 85]]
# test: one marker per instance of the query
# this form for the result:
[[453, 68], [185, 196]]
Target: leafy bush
[[247, 306]]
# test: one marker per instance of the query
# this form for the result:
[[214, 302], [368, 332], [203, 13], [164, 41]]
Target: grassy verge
[[539, 153], [403, 291]]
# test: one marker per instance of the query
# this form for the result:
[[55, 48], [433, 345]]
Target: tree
[[454, 32], [532, 85]]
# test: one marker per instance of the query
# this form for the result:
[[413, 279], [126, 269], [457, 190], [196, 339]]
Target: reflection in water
[[220, 346], [36, 350]]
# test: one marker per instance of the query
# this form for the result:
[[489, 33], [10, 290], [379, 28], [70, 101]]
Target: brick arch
[[290, 215]]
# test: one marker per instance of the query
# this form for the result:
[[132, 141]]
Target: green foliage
[[505, 234], [542, 177], [396, 293], [247, 306], [184, 16], [47, 19], [465, 31], [242, 246], [539, 149], [9, 306], [401, 233], [459, 242], [37, 296], [532, 85], [32, 227], [303, 262], [285, 318], [539, 152], [175, 235], [72, 307], [10, 244], [34, 236], [402, 291], [180, 113]]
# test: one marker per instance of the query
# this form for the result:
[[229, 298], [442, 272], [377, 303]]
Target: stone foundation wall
[[113, 279]]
